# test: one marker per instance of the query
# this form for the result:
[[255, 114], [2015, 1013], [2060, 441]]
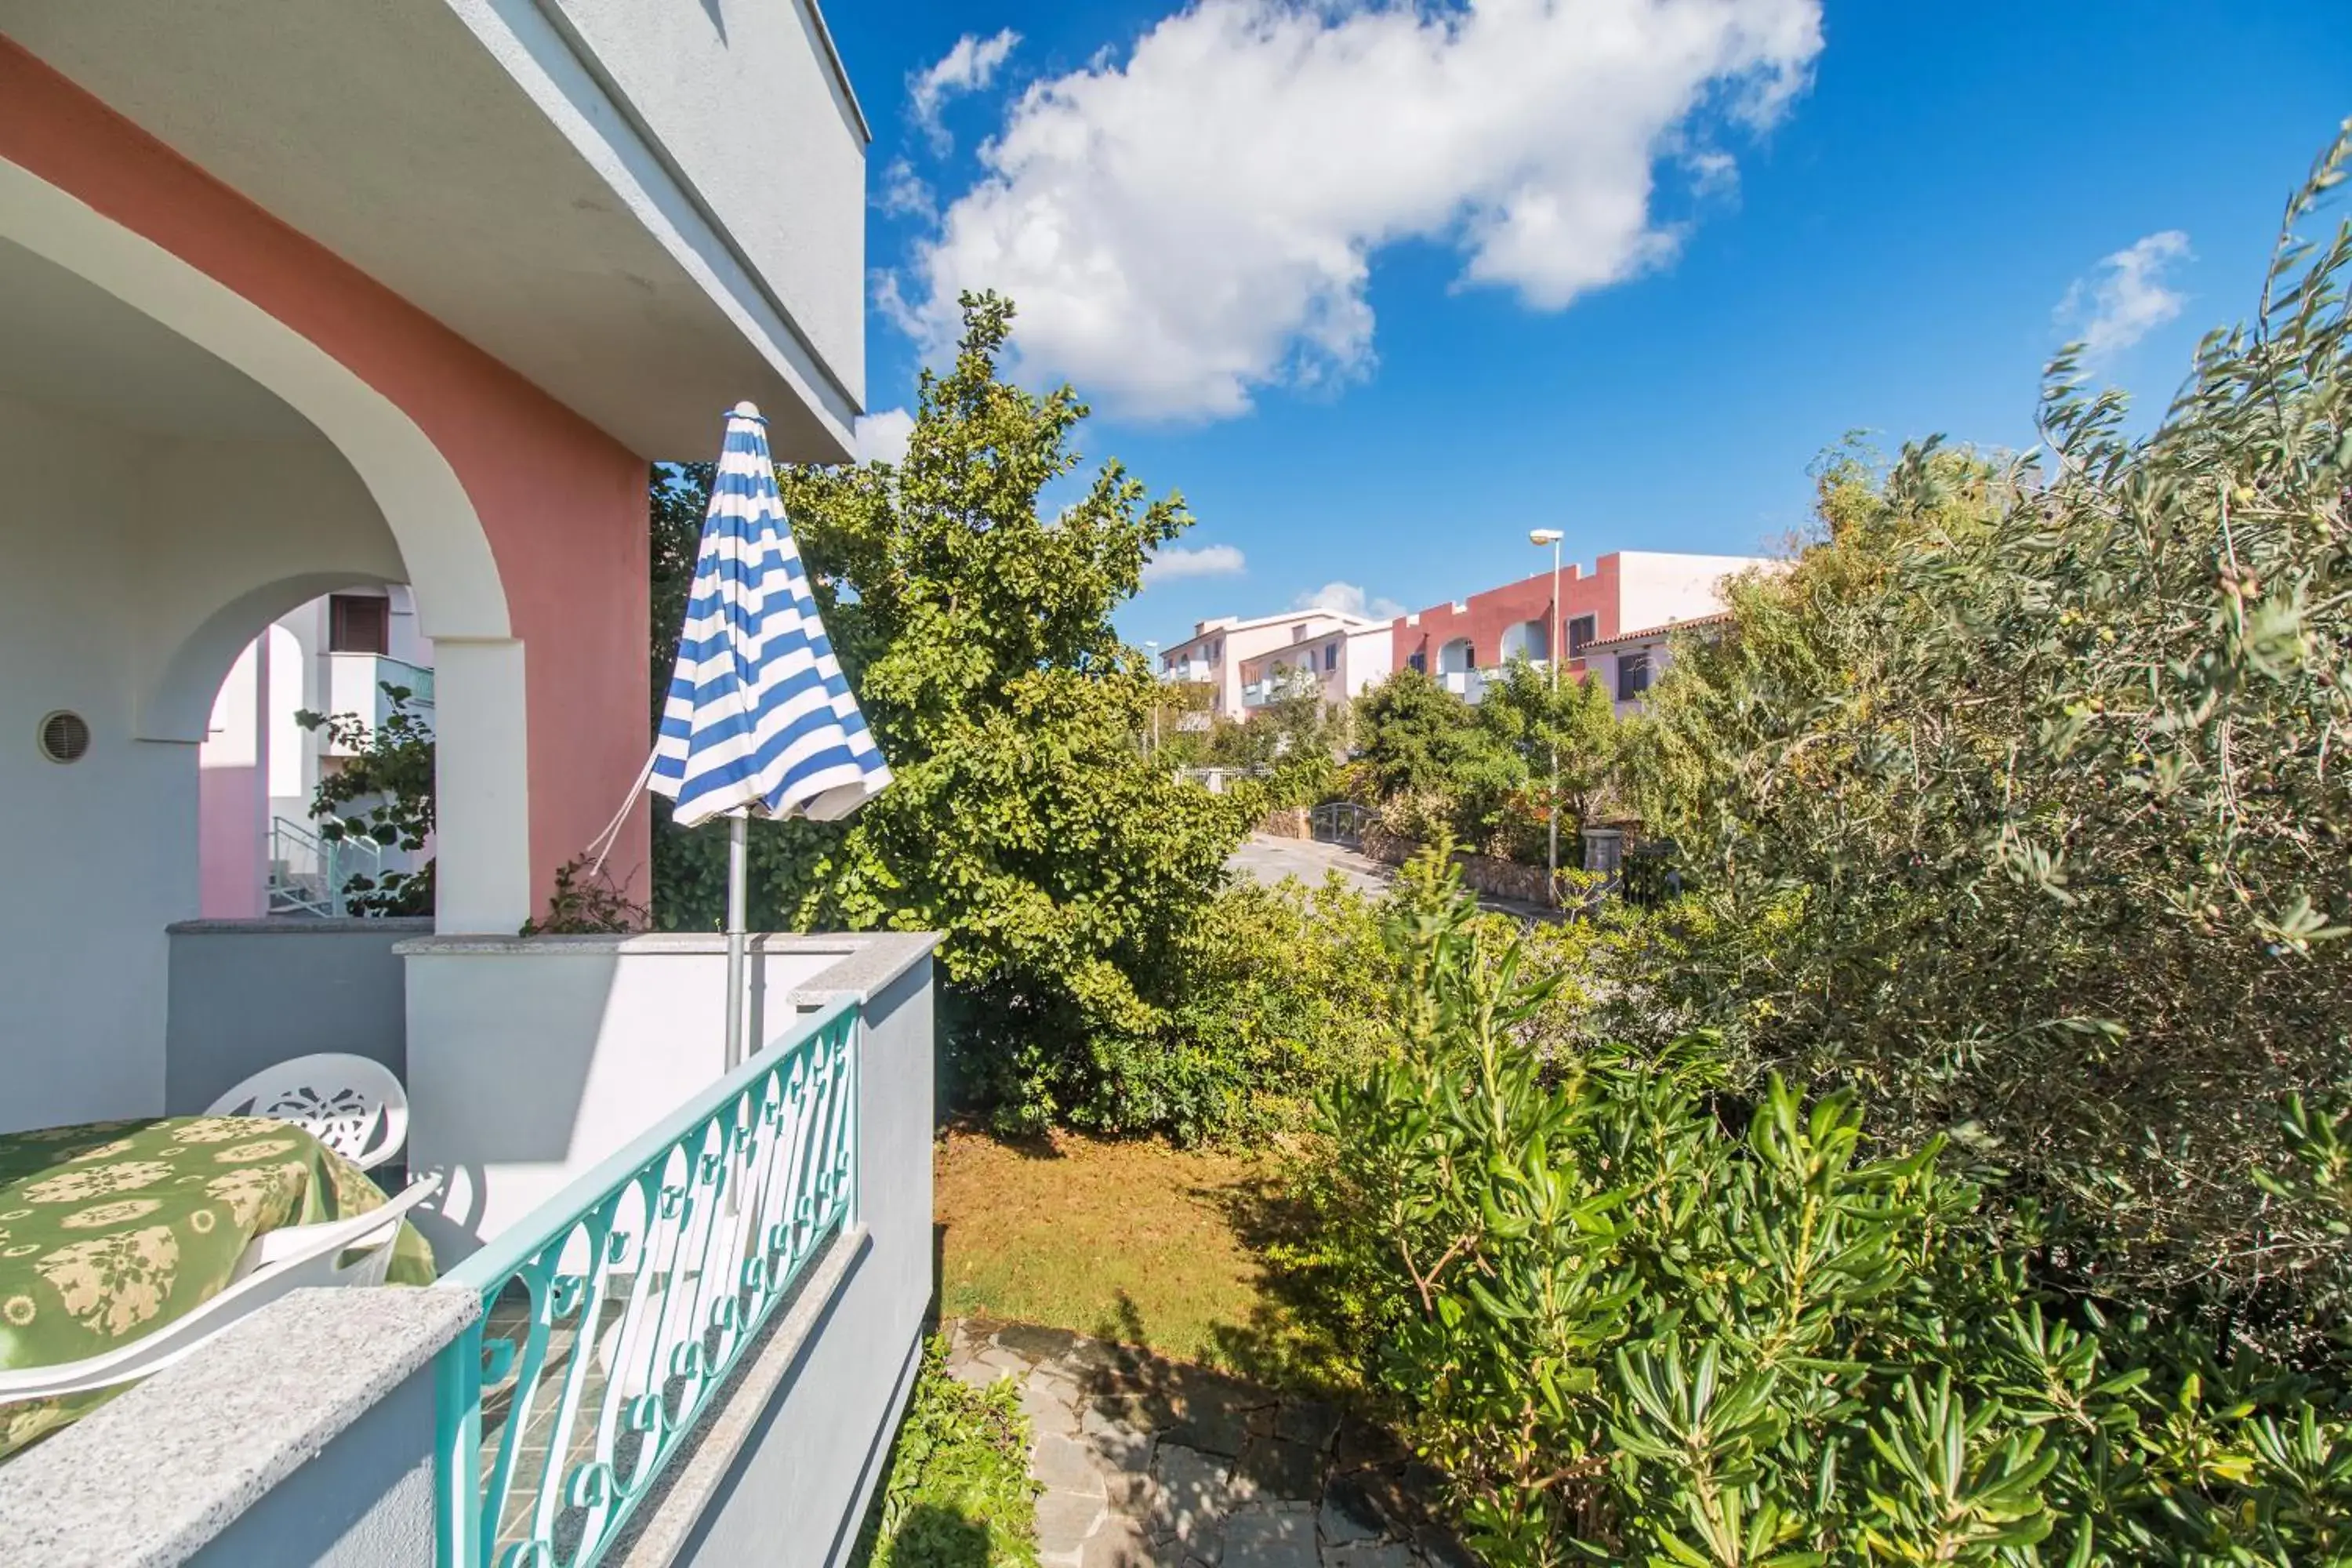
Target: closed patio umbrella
[[759, 719]]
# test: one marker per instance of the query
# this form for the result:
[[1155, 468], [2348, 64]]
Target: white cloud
[[1713, 172], [884, 436], [1198, 221], [967, 68], [1170, 563], [905, 194], [2124, 298], [1347, 599]]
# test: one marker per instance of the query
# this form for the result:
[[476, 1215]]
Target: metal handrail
[[417, 678], [628, 1298], [337, 860], [1339, 822]]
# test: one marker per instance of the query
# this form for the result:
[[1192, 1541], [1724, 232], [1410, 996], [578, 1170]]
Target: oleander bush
[[1962, 1172], [1639, 1310]]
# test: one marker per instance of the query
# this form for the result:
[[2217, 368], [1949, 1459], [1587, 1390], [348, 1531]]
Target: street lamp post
[[1552, 637], [1152, 651]]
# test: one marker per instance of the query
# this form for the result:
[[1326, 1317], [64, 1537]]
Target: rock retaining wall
[[1482, 874]]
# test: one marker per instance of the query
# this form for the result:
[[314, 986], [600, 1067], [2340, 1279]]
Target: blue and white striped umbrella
[[758, 717]]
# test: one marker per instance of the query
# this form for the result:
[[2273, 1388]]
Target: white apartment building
[[258, 770], [1217, 650], [1627, 665], [1339, 664]]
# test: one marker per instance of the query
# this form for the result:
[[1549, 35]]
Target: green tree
[[382, 796], [1633, 1315], [1069, 873], [1294, 739], [1431, 765], [1574, 722], [1409, 732]]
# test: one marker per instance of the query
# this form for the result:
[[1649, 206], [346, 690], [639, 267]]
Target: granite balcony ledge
[[868, 959], [152, 1477]]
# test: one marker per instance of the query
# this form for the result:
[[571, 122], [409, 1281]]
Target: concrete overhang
[[649, 208]]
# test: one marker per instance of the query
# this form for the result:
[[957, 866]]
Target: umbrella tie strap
[[602, 844]]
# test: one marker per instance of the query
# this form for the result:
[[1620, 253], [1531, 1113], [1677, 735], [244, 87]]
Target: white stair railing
[[307, 872]]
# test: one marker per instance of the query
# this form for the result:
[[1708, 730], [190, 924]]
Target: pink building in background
[[1337, 664], [1217, 651], [1462, 643], [1628, 664]]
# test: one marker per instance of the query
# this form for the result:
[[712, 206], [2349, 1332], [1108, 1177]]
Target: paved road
[[1269, 860]]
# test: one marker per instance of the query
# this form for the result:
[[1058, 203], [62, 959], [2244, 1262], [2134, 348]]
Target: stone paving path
[[1145, 1461], [1267, 857]]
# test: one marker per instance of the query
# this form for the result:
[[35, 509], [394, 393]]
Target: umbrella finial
[[745, 410]]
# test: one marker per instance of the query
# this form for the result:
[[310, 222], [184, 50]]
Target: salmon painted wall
[[563, 504], [1484, 617]]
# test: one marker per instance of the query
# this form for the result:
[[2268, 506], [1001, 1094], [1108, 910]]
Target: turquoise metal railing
[[611, 1317]]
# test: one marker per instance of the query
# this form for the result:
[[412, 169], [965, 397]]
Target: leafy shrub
[[1290, 986], [1276, 989], [2021, 803], [585, 900], [383, 794], [957, 1492], [1635, 1316], [1433, 762]]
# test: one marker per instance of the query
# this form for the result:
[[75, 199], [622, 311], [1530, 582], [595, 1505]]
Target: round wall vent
[[65, 737]]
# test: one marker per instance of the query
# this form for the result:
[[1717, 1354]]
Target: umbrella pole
[[738, 990]]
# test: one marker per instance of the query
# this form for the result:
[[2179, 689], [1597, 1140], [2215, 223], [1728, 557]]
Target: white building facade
[[259, 768], [1219, 651], [1338, 665]]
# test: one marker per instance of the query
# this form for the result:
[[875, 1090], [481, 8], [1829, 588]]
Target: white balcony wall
[[531, 1059], [305, 1434], [1467, 684]]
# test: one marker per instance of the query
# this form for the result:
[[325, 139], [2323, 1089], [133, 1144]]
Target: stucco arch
[[441, 539], [444, 552], [181, 702]]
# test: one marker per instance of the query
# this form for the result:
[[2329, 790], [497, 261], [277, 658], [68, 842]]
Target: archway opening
[[165, 507]]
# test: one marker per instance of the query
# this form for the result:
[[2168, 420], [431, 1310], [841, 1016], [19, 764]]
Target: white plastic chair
[[354, 1106], [297, 1257]]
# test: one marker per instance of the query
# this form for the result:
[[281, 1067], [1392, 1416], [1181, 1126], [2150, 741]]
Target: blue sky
[[1379, 290]]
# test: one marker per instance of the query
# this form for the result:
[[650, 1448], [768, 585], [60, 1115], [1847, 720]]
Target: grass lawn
[[1128, 1239]]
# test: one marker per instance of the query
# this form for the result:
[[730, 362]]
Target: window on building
[[1216, 650], [359, 623], [1330, 656], [1581, 631], [1418, 661], [1633, 675]]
